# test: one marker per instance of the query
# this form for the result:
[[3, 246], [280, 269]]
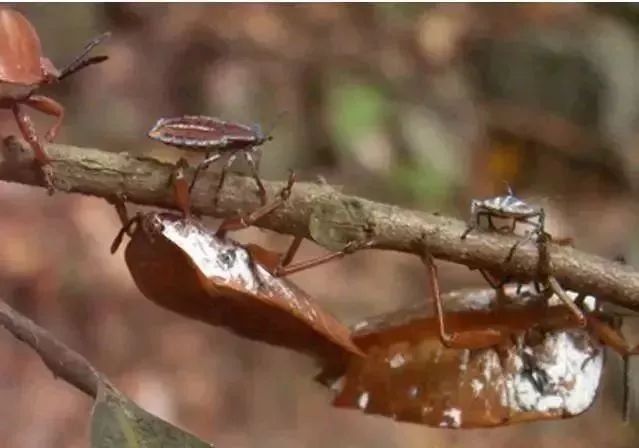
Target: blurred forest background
[[423, 106]]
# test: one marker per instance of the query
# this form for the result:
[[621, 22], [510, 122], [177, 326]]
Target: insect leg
[[469, 228], [243, 221], [471, 339], [498, 286], [292, 250], [491, 225], [49, 107], [28, 131], [537, 287], [119, 202], [490, 279], [610, 337], [519, 242], [514, 247], [557, 289], [251, 161], [472, 225], [513, 227], [273, 260], [283, 270], [537, 377], [538, 225], [181, 190], [204, 164], [220, 184]]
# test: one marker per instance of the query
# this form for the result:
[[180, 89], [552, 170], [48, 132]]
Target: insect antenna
[[269, 134], [81, 61], [508, 188]]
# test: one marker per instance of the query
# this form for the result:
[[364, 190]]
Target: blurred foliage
[[357, 109], [421, 182]]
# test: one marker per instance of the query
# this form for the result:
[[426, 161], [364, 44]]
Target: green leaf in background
[[333, 224], [421, 183], [117, 422], [356, 110]]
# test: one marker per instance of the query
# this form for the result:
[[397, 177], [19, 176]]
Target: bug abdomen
[[202, 133]]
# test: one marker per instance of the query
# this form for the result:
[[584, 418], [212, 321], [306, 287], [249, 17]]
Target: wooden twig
[[145, 181], [61, 360]]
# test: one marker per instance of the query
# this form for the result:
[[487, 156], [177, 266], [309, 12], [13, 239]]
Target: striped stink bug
[[215, 138]]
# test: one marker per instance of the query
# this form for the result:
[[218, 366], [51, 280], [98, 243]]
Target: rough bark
[[146, 181]]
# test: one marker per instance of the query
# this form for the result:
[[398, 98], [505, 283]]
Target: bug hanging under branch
[[545, 369], [508, 207], [202, 274]]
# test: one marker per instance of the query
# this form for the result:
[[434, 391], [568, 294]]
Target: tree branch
[[60, 359], [146, 181]]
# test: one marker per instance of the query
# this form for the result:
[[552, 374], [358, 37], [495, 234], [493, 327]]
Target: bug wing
[[20, 49], [425, 383], [409, 376], [290, 300], [199, 132], [184, 268]]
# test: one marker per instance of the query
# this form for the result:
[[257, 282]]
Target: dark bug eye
[[227, 258]]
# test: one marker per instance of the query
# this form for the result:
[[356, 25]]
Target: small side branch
[[146, 181], [61, 360]]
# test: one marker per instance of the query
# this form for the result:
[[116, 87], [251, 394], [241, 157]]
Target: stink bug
[[505, 207], [215, 138], [23, 70], [546, 370], [181, 265], [511, 208]]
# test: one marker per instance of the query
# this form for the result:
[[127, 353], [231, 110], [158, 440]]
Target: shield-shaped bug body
[[505, 207], [184, 267], [181, 265], [547, 371], [511, 208], [23, 70], [215, 138]]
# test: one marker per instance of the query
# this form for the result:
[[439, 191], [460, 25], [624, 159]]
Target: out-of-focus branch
[[146, 181], [61, 360]]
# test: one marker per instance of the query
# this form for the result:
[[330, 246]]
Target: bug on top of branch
[[215, 138], [508, 207], [513, 210], [23, 70]]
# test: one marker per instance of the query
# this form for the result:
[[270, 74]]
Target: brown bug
[[181, 265], [545, 369], [215, 138], [23, 70]]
